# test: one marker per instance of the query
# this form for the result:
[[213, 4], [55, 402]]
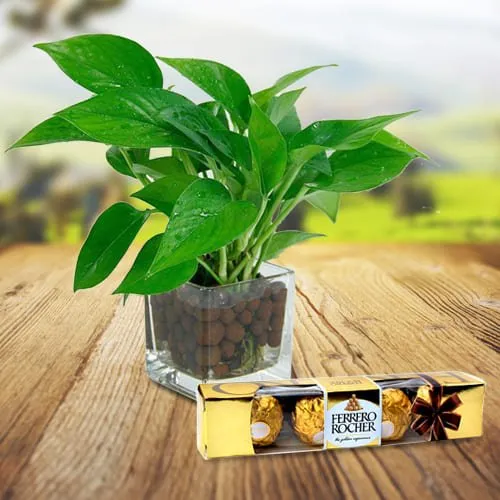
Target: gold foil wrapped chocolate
[[396, 414], [266, 420], [308, 420]]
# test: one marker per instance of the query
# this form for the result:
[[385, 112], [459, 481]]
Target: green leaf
[[50, 131], [305, 154], [280, 106], [203, 220], [290, 125], [106, 244], [192, 121], [232, 145], [264, 96], [365, 168], [116, 159], [315, 167], [103, 62], [326, 201], [159, 167], [343, 134], [139, 281], [130, 118], [391, 141], [163, 193], [220, 82], [216, 110], [268, 148], [284, 239]]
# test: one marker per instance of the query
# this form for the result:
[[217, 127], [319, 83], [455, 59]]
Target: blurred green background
[[439, 57]]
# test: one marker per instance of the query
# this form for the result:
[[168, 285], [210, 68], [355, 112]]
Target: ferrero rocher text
[[353, 422]]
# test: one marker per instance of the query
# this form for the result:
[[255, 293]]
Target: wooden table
[[79, 419]]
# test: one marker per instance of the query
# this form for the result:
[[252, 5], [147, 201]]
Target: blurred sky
[[449, 47], [440, 56]]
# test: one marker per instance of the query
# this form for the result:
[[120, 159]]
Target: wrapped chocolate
[[396, 414], [308, 420], [245, 418], [266, 420]]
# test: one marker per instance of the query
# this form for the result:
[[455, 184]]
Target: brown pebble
[[277, 286], [258, 328], [280, 295], [207, 356], [178, 331], [235, 362], [274, 339], [181, 347], [194, 301], [176, 356], [262, 339], [240, 307], [267, 292], [253, 305], [210, 333], [170, 338], [278, 308], [208, 314], [227, 316], [264, 313], [188, 308], [187, 323], [245, 318], [198, 327], [170, 313], [235, 332], [190, 343], [200, 371], [191, 361], [227, 349], [277, 323], [220, 370], [178, 306]]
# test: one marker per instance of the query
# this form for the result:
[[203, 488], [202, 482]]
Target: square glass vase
[[236, 333]]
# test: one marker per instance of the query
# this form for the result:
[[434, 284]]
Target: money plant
[[237, 163]]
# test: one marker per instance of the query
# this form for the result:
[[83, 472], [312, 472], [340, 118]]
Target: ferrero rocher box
[[337, 412]]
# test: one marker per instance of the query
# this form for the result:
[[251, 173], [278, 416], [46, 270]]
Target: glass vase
[[238, 332]]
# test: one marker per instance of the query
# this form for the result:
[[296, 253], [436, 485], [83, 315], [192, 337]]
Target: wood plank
[[43, 345], [89, 424]]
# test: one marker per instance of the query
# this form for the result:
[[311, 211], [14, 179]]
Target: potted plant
[[236, 166]]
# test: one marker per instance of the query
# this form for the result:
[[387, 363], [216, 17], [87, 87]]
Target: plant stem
[[210, 271], [141, 177], [237, 270], [287, 208], [242, 243], [279, 195], [188, 164], [261, 258], [223, 263]]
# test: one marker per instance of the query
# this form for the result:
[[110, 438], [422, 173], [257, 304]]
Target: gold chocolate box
[[316, 414]]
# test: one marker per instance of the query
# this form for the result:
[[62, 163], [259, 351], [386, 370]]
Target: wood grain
[[79, 418]]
